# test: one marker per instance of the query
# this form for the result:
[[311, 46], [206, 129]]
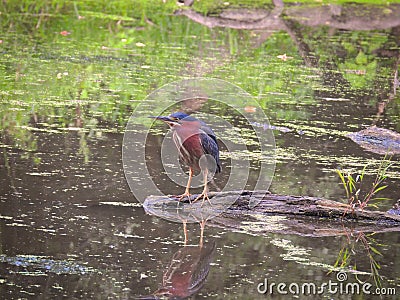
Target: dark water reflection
[[94, 240], [69, 225]]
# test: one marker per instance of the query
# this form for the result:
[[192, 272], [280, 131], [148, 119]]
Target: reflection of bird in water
[[197, 146], [187, 272]]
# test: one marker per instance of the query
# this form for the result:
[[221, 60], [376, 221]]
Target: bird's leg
[[204, 194], [202, 225], [187, 193], [185, 231]]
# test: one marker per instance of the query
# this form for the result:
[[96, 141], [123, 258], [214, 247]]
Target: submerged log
[[301, 215]]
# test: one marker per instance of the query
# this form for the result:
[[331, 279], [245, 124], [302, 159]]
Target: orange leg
[[202, 225], [187, 193], [185, 232], [204, 194]]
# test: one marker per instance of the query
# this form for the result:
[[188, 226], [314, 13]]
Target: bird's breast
[[189, 147]]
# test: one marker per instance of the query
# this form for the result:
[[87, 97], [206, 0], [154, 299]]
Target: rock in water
[[377, 140], [396, 209]]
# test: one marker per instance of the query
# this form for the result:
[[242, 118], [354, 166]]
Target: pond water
[[70, 226]]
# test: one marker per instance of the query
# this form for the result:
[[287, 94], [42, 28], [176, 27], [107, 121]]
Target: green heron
[[197, 146]]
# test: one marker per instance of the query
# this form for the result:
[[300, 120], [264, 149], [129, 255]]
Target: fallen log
[[300, 215], [344, 16]]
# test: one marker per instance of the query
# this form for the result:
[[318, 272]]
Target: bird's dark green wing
[[202, 267], [208, 130], [210, 146]]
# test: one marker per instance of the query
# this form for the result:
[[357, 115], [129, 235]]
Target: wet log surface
[[300, 215]]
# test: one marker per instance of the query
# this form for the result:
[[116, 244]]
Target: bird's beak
[[161, 118], [167, 120]]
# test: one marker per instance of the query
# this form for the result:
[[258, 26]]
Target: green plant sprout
[[359, 196]]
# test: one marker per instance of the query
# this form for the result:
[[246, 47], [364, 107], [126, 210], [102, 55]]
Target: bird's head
[[175, 119]]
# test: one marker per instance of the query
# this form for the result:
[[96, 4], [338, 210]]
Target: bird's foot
[[183, 196], [203, 195]]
